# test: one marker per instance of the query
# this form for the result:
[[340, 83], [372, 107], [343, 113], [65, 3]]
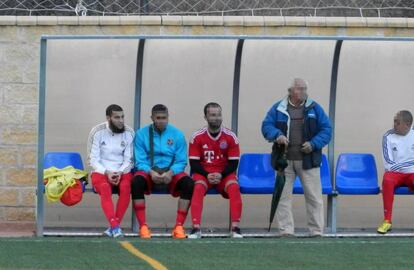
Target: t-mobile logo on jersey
[[209, 155]]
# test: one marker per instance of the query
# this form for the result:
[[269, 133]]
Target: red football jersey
[[214, 153]]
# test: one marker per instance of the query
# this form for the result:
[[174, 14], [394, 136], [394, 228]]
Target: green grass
[[103, 253]]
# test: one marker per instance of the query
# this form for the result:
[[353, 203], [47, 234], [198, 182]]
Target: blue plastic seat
[[356, 174], [403, 191], [256, 176], [325, 179], [61, 160]]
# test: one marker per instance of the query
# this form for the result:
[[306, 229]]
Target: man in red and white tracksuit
[[398, 154], [214, 157], [110, 154]]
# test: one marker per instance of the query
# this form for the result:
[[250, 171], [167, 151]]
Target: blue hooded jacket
[[317, 128]]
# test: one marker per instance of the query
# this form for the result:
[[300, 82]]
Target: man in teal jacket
[[160, 159]]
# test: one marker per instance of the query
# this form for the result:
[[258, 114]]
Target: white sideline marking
[[201, 242]]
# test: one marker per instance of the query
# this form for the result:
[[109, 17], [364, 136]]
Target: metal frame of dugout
[[331, 207]]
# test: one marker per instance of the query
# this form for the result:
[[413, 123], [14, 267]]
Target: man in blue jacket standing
[[160, 159], [301, 125]]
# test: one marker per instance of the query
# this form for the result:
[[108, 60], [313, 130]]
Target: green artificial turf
[[295, 253]]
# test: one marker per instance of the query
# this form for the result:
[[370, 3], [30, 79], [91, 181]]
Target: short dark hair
[[211, 105], [406, 117], [159, 108], [113, 108]]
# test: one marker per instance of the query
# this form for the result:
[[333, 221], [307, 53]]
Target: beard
[[115, 129], [215, 124]]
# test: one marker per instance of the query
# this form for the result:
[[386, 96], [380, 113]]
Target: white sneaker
[[195, 234], [236, 233], [117, 232], [108, 232]]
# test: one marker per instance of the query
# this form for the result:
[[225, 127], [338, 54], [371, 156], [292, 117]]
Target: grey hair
[[298, 81]]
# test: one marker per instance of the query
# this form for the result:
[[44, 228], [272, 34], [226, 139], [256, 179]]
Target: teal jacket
[[167, 145]]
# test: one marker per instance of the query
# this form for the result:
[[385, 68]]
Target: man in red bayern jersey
[[214, 156]]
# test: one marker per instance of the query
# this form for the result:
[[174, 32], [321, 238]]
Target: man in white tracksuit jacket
[[398, 154]]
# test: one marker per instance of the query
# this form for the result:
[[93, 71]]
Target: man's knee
[[200, 186], [104, 189], [387, 181], [233, 191], [125, 186], [138, 186], [187, 188], [232, 186]]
